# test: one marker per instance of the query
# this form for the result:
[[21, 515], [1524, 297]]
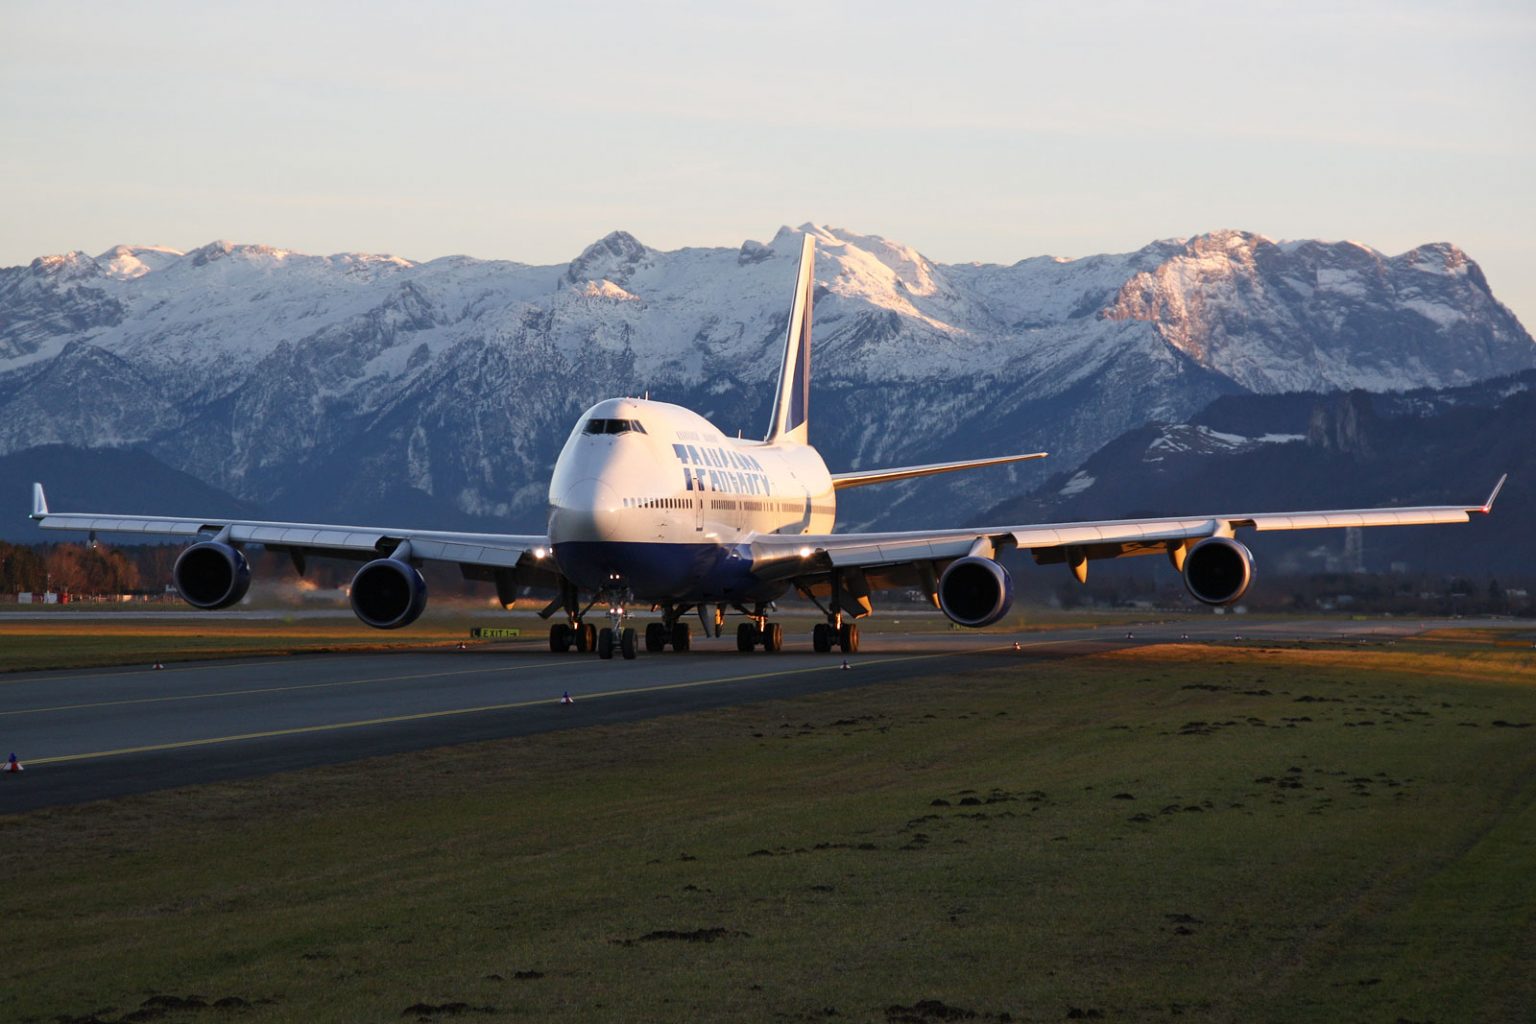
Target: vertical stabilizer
[[791, 406]]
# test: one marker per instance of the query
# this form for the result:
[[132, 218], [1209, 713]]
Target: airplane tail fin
[[791, 406]]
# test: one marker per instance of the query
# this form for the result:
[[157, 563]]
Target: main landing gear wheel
[[848, 637], [821, 638], [627, 644], [560, 638], [772, 637], [586, 638], [746, 637], [655, 637], [605, 643], [681, 637]]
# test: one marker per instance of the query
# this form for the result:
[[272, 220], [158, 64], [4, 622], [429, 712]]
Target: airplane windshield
[[613, 427]]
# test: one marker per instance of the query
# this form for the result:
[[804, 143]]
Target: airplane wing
[[880, 476], [908, 558], [479, 555]]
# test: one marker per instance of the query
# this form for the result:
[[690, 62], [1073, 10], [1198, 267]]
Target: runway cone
[[565, 698], [14, 765], [1017, 646], [845, 663], [158, 666], [462, 647]]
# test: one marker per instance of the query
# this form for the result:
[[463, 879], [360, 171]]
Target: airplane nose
[[587, 510]]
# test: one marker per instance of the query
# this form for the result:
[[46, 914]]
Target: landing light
[[805, 552], [539, 552]]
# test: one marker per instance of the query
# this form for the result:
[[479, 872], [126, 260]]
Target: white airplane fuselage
[[652, 498]]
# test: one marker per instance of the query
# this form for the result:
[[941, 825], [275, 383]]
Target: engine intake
[[388, 593], [211, 575], [975, 591], [1218, 570]]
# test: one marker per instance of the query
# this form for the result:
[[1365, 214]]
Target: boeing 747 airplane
[[651, 504]]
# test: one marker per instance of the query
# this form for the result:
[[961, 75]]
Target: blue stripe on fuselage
[[657, 571]]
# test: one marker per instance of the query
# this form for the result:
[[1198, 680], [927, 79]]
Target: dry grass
[[1169, 833]]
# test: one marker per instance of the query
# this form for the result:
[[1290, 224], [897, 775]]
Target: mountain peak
[[612, 257]]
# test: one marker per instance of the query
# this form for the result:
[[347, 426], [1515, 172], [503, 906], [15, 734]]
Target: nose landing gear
[[617, 635]]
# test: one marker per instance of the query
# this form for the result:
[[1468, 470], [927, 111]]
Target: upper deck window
[[613, 427]]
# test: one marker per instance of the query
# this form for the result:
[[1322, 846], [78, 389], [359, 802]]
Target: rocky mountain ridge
[[312, 385]]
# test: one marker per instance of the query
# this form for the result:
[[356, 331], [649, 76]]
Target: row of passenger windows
[[613, 427], [726, 504], [658, 503]]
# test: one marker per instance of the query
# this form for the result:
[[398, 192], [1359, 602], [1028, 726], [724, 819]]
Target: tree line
[[86, 570]]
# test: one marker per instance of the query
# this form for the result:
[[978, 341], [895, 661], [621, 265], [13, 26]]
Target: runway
[[102, 733]]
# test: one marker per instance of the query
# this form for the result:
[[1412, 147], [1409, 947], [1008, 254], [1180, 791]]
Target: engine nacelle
[[975, 591], [388, 593], [211, 574], [1218, 570]]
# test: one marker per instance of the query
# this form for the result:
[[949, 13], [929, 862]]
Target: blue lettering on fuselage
[[720, 469]]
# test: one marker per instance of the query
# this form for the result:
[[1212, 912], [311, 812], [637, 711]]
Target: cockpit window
[[613, 427]]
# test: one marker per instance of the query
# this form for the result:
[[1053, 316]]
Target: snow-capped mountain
[[373, 385]]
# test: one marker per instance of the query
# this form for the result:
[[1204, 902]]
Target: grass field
[[71, 642], [1168, 833]]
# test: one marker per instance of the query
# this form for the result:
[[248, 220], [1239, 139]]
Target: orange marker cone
[[13, 765]]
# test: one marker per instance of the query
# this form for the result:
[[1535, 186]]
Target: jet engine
[[975, 591], [1218, 570], [388, 593], [211, 574]]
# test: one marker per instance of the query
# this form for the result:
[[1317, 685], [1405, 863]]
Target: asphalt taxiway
[[94, 734]]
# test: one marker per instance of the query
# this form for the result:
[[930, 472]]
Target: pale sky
[[971, 131]]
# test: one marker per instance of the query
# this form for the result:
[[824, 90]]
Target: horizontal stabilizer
[[882, 476]]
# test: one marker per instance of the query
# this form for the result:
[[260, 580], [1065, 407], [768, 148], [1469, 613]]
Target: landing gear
[[821, 638], [759, 632], [656, 636], [623, 639], [848, 637], [834, 632], [682, 636], [563, 636]]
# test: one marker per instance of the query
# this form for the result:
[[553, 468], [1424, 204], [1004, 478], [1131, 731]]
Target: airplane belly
[[660, 571]]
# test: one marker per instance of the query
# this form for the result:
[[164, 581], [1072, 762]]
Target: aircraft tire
[[773, 637], [821, 638], [848, 638], [746, 637], [681, 637], [655, 637], [627, 644], [591, 634], [605, 644], [560, 638]]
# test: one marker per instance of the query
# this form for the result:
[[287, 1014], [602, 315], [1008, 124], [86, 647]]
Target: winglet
[[1488, 505], [39, 502]]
